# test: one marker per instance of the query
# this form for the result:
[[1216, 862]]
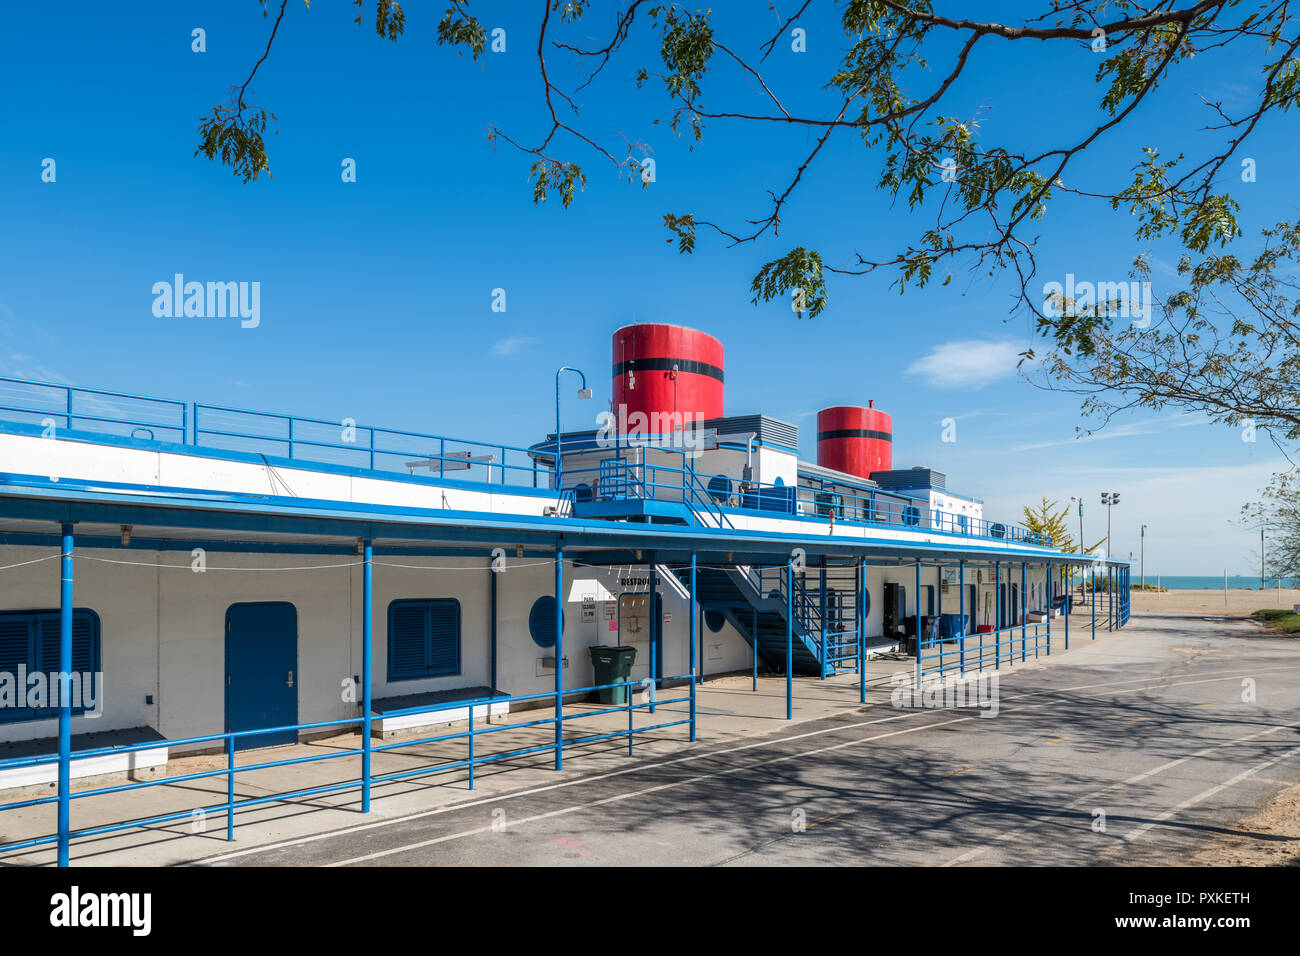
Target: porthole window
[[541, 621]]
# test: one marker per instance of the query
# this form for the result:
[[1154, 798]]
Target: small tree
[[1278, 511], [1050, 518]]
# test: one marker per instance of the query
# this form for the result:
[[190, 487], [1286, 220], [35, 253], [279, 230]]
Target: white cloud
[[967, 363], [1128, 430], [511, 346]]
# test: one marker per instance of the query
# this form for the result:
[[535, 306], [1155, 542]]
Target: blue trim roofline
[[68, 500]]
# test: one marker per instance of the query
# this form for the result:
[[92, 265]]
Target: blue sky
[[376, 294]]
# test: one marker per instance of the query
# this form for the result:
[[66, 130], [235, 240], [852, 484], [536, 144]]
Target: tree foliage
[[892, 86], [1278, 511], [1224, 345], [1052, 519]]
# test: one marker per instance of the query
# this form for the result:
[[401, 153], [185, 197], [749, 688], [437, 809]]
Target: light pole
[[583, 392], [1109, 499], [1080, 501], [1144, 559]]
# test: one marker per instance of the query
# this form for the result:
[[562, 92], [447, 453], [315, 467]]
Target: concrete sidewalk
[[728, 711]]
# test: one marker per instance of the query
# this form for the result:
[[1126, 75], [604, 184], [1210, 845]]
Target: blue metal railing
[[714, 496], [969, 653], [230, 805], [709, 496], [227, 428], [115, 413]]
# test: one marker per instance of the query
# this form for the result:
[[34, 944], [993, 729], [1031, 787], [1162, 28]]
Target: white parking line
[[1137, 778], [766, 742], [638, 793], [1139, 832]]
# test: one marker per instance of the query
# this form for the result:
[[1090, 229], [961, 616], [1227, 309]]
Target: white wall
[[162, 628]]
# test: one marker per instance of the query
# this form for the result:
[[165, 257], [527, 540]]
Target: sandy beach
[[1241, 602]]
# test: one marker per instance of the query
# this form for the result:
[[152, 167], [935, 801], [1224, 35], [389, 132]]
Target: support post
[[656, 631], [938, 611], [821, 604], [1068, 602], [789, 641], [492, 588], [862, 630], [1092, 575], [367, 678], [1049, 609], [997, 615], [559, 651], [65, 695], [961, 613], [691, 641], [754, 632], [917, 598], [1024, 613]]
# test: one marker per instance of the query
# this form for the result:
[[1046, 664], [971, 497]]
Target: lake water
[[1200, 582]]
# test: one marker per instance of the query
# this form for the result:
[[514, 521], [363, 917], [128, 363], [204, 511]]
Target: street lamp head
[[584, 393]]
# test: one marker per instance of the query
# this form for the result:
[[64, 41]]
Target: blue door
[[262, 671]]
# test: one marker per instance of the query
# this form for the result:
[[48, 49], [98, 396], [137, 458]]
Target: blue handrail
[[230, 805], [710, 497]]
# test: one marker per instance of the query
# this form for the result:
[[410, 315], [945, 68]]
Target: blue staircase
[[622, 493], [754, 602]]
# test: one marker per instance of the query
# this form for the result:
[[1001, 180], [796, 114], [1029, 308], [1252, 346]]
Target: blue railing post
[[65, 691], [367, 678], [939, 614], [862, 630], [492, 635], [1092, 575], [1114, 598], [1024, 613], [918, 624], [692, 641], [997, 615], [754, 683], [1066, 581], [1048, 567], [656, 631], [559, 651], [789, 640], [471, 742], [230, 789], [961, 615], [630, 721], [821, 598]]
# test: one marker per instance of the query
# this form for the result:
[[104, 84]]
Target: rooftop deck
[[620, 488]]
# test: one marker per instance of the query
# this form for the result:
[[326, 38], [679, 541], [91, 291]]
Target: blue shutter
[[16, 651], [407, 640], [541, 621], [32, 638], [85, 651], [423, 639], [444, 638]]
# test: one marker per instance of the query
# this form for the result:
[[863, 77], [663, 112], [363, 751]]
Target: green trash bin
[[612, 665]]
